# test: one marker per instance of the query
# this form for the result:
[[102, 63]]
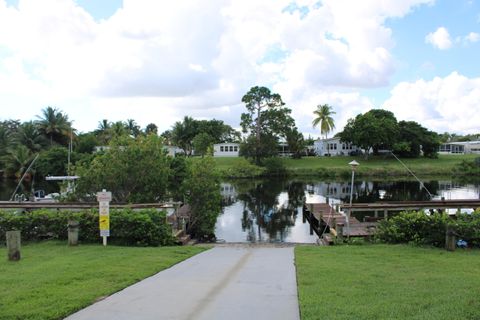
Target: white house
[[333, 147], [460, 147], [228, 149]]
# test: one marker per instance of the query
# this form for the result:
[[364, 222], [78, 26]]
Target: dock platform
[[325, 219]]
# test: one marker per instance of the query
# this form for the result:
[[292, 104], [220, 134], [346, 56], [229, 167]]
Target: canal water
[[269, 210]]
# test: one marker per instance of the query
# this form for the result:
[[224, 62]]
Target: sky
[[158, 61]]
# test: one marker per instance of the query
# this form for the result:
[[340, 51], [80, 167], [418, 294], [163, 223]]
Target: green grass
[[52, 280], [374, 166], [387, 282]]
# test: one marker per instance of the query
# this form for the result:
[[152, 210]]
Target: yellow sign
[[104, 222]]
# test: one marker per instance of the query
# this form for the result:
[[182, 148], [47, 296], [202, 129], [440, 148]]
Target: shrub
[[468, 168], [274, 166], [414, 227], [146, 227], [467, 227]]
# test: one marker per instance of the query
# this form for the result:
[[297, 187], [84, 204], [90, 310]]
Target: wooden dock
[[385, 207], [326, 221]]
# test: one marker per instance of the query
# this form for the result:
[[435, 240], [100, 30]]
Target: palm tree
[[324, 118], [29, 136], [133, 128], [55, 125]]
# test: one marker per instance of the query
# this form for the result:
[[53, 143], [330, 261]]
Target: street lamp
[[353, 164]]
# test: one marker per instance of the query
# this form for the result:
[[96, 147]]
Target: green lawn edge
[[387, 282], [52, 280], [374, 166]]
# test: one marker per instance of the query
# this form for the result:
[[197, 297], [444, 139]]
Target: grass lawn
[[53, 280], [374, 166], [387, 282]]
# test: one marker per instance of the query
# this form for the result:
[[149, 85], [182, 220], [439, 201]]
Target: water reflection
[[270, 210]]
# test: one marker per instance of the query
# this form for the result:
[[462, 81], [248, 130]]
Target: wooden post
[[339, 229], [376, 214], [13, 245], [73, 227], [450, 240], [385, 214]]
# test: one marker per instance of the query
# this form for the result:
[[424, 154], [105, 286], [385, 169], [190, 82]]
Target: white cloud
[[472, 37], [442, 104], [155, 58], [439, 39]]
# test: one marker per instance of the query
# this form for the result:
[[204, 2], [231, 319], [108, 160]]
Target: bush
[[468, 168], [414, 227], [422, 229], [274, 166], [146, 227], [467, 227]]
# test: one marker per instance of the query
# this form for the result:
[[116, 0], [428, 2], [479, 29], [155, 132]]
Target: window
[[231, 148], [221, 149], [235, 149]]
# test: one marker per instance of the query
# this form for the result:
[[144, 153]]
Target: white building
[[460, 147], [226, 149], [333, 147]]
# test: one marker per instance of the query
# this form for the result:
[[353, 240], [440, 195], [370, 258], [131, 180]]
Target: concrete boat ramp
[[226, 282]]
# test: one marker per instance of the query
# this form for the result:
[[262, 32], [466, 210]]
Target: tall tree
[[413, 139], [29, 136], [183, 133], [132, 127], [266, 117], [323, 117], [54, 124], [151, 128], [376, 129], [203, 195]]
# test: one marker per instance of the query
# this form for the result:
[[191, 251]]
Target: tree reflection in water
[[268, 209]]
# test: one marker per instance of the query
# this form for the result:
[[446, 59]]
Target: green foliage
[[323, 116], [413, 138], [184, 132], [135, 170], [274, 166], [52, 162], [468, 168], [414, 227], [146, 227], [467, 227], [377, 129], [86, 143], [202, 189], [201, 143], [179, 172], [256, 150], [54, 124], [296, 143], [266, 120]]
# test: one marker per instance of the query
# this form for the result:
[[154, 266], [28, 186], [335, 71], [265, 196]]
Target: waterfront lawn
[[387, 282], [52, 280], [373, 166]]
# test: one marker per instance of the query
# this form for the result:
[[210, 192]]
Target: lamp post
[[353, 164]]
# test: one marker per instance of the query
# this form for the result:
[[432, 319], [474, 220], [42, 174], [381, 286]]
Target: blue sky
[[156, 61]]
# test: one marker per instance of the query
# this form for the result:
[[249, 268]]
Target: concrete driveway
[[227, 282]]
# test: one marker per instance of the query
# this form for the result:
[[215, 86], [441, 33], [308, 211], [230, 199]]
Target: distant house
[[173, 150], [460, 147], [334, 147], [229, 149]]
